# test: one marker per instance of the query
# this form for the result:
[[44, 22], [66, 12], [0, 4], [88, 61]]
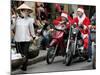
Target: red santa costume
[[58, 20], [84, 20]]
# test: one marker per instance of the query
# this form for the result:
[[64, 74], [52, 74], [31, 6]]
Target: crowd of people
[[24, 29]]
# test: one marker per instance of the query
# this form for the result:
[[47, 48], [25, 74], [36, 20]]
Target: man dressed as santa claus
[[82, 20], [64, 19]]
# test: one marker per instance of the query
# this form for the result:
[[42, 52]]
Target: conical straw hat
[[24, 6]]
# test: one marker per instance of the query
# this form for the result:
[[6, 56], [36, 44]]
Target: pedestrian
[[13, 17], [91, 37], [46, 37], [83, 21], [40, 11], [24, 32]]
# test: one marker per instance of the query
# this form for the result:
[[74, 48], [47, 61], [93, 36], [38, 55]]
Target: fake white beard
[[81, 19]]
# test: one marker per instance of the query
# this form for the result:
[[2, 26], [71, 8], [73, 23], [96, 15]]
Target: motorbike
[[75, 46], [57, 46], [93, 38]]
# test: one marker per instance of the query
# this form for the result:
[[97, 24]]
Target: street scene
[[52, 37], [57, 66]]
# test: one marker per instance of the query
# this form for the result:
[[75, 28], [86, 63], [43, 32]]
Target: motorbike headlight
[[74, 31]]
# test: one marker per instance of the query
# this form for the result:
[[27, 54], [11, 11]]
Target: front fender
[[53, 42]]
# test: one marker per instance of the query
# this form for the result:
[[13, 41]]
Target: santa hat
[[80, 10], [64, 14]]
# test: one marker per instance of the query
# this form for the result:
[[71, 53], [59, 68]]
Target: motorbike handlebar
[[81, 26], [60, 29]]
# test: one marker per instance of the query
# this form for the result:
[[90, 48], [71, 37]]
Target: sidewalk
[[39, 58]]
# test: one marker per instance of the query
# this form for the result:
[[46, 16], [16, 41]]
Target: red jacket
[[85, 22], [59, 19]]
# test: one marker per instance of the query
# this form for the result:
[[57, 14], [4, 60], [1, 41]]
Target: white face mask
[[23, 14]]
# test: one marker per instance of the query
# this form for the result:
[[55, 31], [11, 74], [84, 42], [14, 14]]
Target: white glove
[[85, 27], [85, 35]]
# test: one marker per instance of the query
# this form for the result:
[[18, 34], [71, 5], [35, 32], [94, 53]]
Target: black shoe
[[24, 68], [89, 60]]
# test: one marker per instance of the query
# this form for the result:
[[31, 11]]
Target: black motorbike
[[75, 46]]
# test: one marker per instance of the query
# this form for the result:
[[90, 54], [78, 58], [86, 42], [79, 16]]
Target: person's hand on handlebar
[[81, 26], [62, 22]]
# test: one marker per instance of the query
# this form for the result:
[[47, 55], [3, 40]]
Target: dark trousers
[[90, 47], [23, 48]]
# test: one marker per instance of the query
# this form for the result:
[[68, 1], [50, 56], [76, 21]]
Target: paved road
[[57, 65]]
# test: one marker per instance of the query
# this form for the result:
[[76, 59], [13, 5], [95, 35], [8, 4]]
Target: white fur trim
[[81, 19], [85, 35], [64, 15], [85, 27]]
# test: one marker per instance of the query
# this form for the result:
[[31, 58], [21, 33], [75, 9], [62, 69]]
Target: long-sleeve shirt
[[24, 29]]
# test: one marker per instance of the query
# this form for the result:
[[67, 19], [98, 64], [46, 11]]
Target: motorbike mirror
[[74, 25]]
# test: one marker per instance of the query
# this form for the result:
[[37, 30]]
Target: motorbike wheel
[[51, 55], [94, 57], [94, 63], [85, 54], [69, 55]]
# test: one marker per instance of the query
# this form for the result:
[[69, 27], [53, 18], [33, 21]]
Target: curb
[[37, 59], [34, 61]]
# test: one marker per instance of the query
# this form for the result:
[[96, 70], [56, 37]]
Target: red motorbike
[[57, 45]]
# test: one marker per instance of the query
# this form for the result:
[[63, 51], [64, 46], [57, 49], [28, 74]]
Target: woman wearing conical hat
[[24, 31]]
